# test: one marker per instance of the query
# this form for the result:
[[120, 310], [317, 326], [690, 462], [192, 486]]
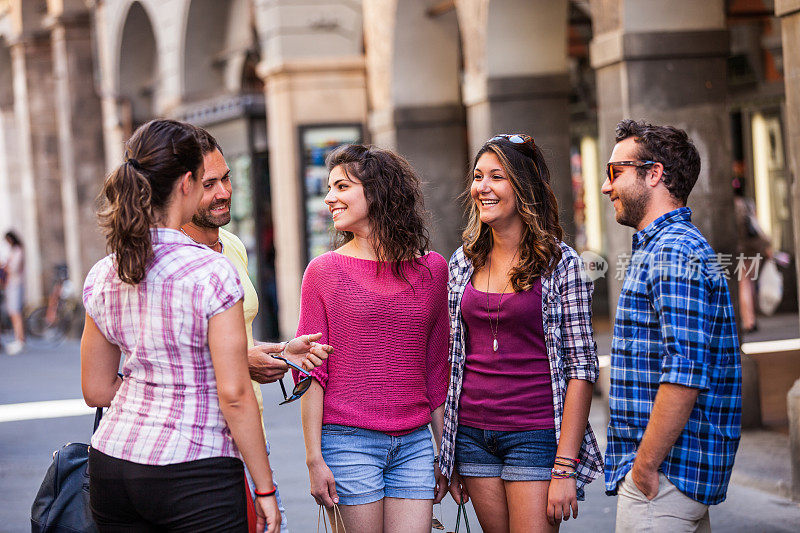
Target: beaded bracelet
[[562, 474], [265, 494], [566, 461]]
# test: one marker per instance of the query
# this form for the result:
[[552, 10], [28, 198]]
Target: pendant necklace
[[219, 241], [494, 328]]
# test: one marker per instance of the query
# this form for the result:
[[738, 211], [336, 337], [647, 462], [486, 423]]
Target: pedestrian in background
[[205, 228], [381, 300], [675, 399], [166, 455], [755, 246], [15, 291], [516, 434]]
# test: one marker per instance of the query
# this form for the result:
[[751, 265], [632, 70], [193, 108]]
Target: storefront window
[[316, 143]]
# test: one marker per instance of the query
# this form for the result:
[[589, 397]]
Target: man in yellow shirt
[[213, 212]]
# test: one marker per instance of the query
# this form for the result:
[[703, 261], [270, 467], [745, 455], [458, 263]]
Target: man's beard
[[205, 219], [634, 206]]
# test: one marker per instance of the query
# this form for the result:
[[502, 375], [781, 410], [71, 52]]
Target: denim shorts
[[370, 465], [509, 455]]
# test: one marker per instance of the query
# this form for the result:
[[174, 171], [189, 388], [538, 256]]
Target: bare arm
[[323, 486], [671, 410], [437, 425], [99, 365], [562, 494], [228, 344]]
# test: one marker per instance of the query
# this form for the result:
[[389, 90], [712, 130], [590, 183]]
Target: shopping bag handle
[[462, 509]]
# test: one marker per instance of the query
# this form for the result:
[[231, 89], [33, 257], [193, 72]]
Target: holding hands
[[304, 351]]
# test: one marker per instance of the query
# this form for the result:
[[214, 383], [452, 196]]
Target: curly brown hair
[[395, 206], [136, 193], [539, 248]]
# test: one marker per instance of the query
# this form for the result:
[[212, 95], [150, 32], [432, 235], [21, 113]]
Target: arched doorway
[[138, 70], [222, 93]]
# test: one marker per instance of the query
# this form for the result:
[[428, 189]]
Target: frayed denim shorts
[[509, 455], [369, 465]]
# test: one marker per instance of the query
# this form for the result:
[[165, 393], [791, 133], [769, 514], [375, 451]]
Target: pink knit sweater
[[389, 367]]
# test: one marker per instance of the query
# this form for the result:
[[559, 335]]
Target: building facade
[[281, 82]]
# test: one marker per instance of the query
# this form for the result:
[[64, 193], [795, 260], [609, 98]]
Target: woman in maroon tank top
[[516, 435]]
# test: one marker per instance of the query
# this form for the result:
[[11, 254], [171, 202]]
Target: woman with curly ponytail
[[516, 436], [380, 300], [163, 457]]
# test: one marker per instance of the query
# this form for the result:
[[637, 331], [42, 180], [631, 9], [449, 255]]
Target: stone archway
[[415, 61], [216, 45], [517, 80], [138, 69]]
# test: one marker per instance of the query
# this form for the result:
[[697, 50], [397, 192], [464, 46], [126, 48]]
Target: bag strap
[[323, 518], [462, 509], [98, 414]]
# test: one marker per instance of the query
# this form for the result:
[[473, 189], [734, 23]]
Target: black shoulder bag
[[62, 503]]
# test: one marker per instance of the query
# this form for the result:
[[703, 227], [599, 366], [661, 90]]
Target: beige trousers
[[670, 511]]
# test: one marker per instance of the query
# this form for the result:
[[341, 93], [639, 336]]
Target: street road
[[52, 373]]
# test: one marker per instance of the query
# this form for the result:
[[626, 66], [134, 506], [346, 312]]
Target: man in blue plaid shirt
[[675, 395]]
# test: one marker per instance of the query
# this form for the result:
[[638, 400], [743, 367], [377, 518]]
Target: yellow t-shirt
[[234, 249]]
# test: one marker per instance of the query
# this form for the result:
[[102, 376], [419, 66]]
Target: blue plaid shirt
[[571, 350], [675, 324]]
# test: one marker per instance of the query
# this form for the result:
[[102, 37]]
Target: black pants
[[203, 495]]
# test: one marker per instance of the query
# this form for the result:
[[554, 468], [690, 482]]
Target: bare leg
[[488, 497], [527, 506], [365, 518], [401, 515], [747, 304], [16, 323]]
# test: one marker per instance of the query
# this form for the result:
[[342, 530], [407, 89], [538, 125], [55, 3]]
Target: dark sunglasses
[[301, 387], [611, 171]]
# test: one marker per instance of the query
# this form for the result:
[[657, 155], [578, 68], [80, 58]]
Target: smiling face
[[347, 203], [215, 207], [492, 192], [629, 194]]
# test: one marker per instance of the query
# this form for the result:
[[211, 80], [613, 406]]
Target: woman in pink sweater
[[381, 300]]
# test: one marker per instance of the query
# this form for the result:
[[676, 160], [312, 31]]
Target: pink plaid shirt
[[167, 409]]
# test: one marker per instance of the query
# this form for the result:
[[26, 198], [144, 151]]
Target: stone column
[[40, 178], [789, 12], [520, 82], [11, 209], [406, 44], [80, 141], [314, 74], [665, 63], [434, 140], [10, 197], [113, 132], [311, 91]]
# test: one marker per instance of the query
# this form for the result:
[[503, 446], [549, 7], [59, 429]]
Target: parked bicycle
[[63, 313]]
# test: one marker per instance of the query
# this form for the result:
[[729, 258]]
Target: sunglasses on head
[[515, 138], [302, 385], [611, 170]]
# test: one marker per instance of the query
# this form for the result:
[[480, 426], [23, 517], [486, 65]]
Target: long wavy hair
[[539, 249], [137, 192], [395, 206]]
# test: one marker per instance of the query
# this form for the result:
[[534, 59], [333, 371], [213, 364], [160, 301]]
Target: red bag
[[251, 508]]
